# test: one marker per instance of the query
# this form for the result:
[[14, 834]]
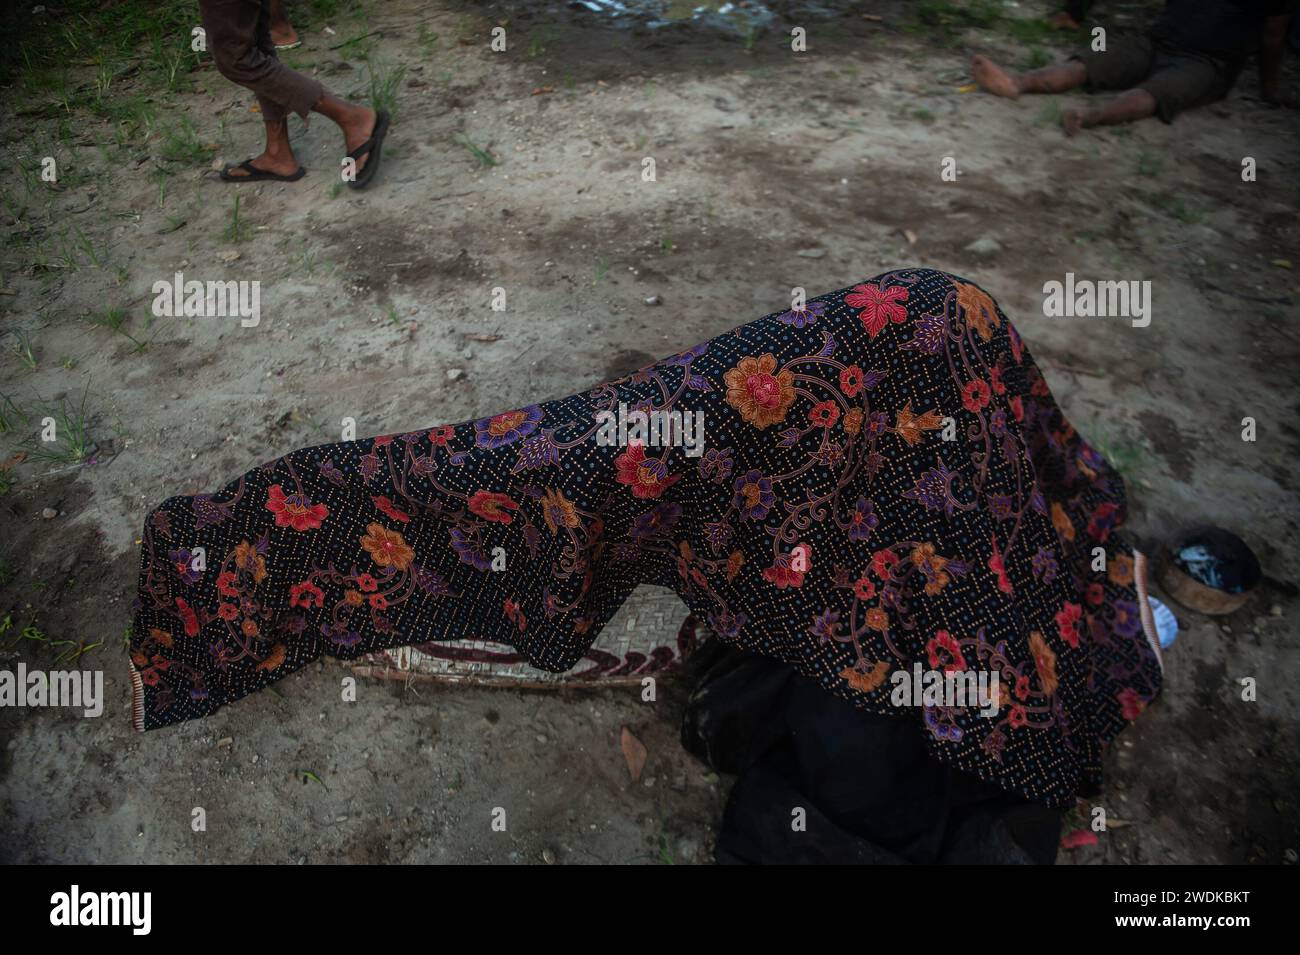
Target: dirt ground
[[522, 170]]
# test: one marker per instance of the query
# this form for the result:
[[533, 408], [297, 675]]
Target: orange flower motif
[[1120, 571], [294, 510], [981, 313], [759, 392], [1045, 661], [274, 659], [353, 598], [1061, 521], [387, 548], [866, 682], [852, 422], [558, 511], [911, 427], [878, 620], [734, 563], [248, 559]]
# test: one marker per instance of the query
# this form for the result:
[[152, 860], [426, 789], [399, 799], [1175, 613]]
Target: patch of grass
[[115, 319], [1149, 165], [482, 157], [1175, 207], [385, 81], [23, 350], [182, 144], [236, 230], [71, 442], [11, 414], [1036, 59]]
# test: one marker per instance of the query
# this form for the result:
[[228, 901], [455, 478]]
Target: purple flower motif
[[331, 473], [878, 423], [657, 521], [183, 561], [369, 466], [507, 427], [863, 521], [718, 534], [685, 358], [726, 624], [468, 550], [1127, 620], [753, 497], [430, 582], [536, 452], [1044, 565], [339, 634], [931, 490], [928, 338], [716, 464], [825, 626], [998, 422], [805, 315], [1001, 505]]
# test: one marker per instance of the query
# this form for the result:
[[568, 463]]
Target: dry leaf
[[635, 753]]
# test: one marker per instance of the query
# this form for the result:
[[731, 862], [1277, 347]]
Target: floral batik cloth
[[884, 480]]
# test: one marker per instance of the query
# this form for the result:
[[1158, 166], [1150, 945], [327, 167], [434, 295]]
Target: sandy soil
[[773, 170]]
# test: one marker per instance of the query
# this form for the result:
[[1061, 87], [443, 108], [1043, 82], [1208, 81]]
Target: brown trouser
[[239, 36]]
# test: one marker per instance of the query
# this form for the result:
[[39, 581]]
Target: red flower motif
[[441, 435], [864, 588], [975, 396], [1017, 408], [824, 414], [188, 617], [1068, 620], [943, 645], [1018, 716], [995, 565], [367, 583], [388, 507], [226, 584], [851, 381], [648, 478], [294, 510], [227, 611], [782, 576], [492, 506], [1095, 594], [378, 601], [306, 594], [882, 561], [1131, 705], [879, 306]]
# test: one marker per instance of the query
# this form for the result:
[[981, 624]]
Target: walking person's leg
[[283, 35], [240, 39]]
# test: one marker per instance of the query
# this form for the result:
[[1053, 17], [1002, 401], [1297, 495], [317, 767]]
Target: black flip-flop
[[371, 146], [260, 175]]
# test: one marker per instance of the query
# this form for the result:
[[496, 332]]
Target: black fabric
[[1229, 29], [866, 788]]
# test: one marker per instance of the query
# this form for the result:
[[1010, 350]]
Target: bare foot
[[284, 36], [278, 164], [1072, 121], [992, 78]]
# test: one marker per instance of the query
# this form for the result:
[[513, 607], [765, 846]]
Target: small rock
[[548, 857], [542, 738], [984, 245], [49, 513], [654, 300], [811, 253], [226, 741], [467, 354], [455, 374]]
